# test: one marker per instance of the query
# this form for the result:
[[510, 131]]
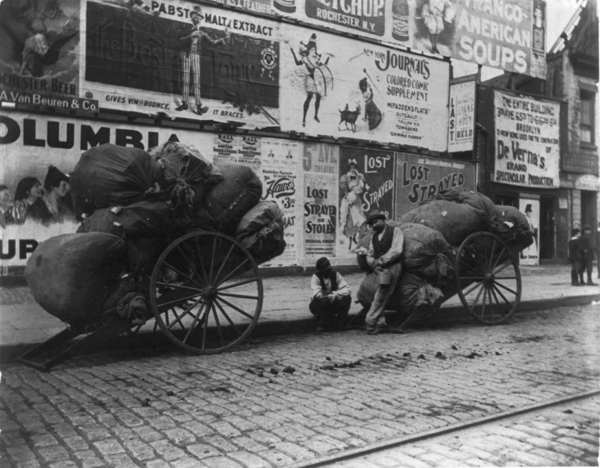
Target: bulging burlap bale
[[513, 227], [417, 294], [261, 231], [72, 275], [112, 175], [424, 252], [141, 219], [475, 199], [226, 203], [187, 174], [455, 221]]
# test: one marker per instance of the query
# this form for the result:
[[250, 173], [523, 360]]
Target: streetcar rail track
[[408, 439]]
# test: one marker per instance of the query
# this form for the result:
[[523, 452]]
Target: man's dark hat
[[587, 227], [322, 264], [528, 208], [375, 215], [197, 11]]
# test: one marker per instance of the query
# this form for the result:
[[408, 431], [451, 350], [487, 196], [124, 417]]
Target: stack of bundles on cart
[[72, 275], [425, 265], [187, 174], [455, 221], [261, 231]]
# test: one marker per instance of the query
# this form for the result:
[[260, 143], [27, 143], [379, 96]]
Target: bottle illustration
[[285, 6], [400, 20]]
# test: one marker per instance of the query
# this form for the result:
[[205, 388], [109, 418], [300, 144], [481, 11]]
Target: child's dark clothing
[[587, 249], [575, 259]]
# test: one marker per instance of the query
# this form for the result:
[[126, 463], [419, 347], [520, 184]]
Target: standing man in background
[[587, 248], [385, 250]]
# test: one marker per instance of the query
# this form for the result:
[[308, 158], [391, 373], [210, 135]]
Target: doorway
[[547, 228]]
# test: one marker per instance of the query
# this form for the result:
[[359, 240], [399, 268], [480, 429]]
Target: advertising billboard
[[527, 150], [421, 178], [509, 35], [183, 60], [345, 88]]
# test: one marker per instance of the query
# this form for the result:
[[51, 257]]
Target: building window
[[587, 117]]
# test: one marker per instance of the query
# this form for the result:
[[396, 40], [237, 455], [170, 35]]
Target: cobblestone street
[[279, 401]]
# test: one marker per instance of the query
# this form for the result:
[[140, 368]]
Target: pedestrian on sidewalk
[[575, 257], [587, 248], [331, 297], [383, 256], [598, 247]]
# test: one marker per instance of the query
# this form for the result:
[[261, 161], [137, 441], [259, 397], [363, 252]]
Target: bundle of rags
[[261, 231]]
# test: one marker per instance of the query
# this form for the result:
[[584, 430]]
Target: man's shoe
[[182, 107], [201, 110], [591, 283], [574, 284], [372, 331]]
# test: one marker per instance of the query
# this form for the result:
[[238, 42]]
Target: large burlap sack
[[72, 275], [513, 227], [226, 203], [455, 221], [417, 294], [475, 199], [261, 231], [423, 252], [141, 219], [112, 175], [187, 174]]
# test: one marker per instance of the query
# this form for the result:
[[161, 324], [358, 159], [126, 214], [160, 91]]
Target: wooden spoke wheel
[[488, 278], [206, 292]]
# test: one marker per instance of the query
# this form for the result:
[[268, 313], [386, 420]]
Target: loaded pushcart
[[204, 292], [486, 277]]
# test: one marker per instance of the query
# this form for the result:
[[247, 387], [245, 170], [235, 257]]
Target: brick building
[[571, 81]]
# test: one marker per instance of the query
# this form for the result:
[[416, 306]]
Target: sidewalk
[[24, 324]]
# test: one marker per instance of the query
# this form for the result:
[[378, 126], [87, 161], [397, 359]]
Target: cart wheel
[[206, 292], [488, 278]]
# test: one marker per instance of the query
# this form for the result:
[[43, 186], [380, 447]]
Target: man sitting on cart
[[331, 296], [384, 257]]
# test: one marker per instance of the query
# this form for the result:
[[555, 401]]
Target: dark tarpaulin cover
[[261, 231]]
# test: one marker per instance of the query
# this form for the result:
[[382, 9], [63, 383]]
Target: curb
[[148, 340]]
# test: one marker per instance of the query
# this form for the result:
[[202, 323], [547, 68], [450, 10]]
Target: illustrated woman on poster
[[372, 113], [434, 14], [28, 198], [55, 207], [310, 58], [352, 215]]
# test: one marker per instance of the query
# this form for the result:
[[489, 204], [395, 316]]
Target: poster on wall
[[320, 201], [345, 88], [39, 55], [508, 35], [527, 151], [531, 208], [461, 114], [182, 60], [366, 183], [262, 7], [279, 173], [420, 178], [237, 149], [367, 18], [37, 153]]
